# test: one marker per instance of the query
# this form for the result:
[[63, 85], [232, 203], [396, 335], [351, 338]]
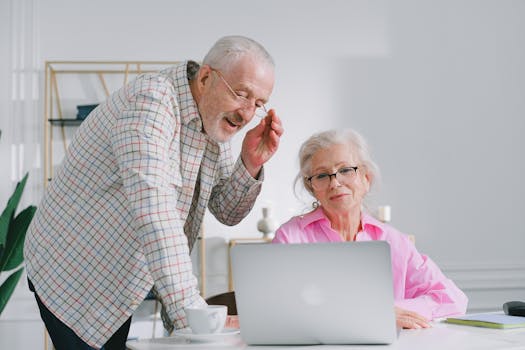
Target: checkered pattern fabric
[[126, 205]]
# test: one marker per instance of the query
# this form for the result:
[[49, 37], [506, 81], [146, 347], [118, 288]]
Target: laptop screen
[[315, 293]]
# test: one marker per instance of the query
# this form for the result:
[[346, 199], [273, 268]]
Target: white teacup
[[208, 319]]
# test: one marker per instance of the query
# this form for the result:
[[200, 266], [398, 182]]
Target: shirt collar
[[370, 226], [313, 216], [188, 108]]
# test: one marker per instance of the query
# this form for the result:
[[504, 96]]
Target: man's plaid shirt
[[126, 205]]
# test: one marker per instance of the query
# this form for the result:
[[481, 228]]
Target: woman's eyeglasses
[[343, 176]]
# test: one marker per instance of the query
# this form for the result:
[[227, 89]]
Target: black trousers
[[64, 338]]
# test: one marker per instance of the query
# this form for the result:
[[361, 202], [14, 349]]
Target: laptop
[[315, 293]]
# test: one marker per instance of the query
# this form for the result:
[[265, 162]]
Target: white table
[[440, 336]]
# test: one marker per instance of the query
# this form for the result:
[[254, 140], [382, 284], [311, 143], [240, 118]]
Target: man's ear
[[203, 76]]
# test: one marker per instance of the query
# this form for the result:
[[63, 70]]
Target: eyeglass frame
[[245, 100], [309, 179]]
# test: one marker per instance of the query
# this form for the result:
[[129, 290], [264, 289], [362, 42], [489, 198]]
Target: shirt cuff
[[421, 305], [179, 318], [244, 176]]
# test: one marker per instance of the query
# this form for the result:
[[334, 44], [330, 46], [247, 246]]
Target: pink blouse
[[419, 284]]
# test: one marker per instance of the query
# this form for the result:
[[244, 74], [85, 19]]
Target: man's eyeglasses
[[322, 181], [260, 108]]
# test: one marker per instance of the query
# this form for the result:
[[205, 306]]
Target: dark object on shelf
[[514, 308], [84, 110], [65, 122]]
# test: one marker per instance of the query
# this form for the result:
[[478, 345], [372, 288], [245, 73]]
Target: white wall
[[437, 87], [5, 120]]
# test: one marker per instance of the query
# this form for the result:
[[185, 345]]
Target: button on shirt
[[126, 206], [419, 284]]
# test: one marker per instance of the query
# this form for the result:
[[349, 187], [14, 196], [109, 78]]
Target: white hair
[[325, 139], [229, 50]]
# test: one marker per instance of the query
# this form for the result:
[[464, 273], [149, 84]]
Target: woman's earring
[[315, 204]]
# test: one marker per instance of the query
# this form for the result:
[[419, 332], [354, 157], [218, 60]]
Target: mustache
[[235, 118]]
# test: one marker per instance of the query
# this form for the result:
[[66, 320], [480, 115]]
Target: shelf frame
[[53, 112]]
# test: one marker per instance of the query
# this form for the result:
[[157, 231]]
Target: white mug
[[208, 319]]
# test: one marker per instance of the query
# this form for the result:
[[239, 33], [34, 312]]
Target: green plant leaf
[[9, 211], [14, 248], [7, 288]]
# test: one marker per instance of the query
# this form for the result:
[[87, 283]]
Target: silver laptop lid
[[316, 293]]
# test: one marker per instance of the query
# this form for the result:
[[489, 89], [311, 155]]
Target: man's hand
[[410, 320], [261, 142]]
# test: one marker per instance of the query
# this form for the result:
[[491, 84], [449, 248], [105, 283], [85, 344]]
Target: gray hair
[[329, 138], [229, 49]]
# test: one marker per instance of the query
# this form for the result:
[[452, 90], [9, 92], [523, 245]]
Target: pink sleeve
[[280, 236], [428, 291]]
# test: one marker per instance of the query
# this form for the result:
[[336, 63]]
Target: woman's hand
[[410, 320], [232, 322]]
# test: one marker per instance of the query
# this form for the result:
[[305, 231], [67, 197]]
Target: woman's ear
[[308, 187], [367, 181]]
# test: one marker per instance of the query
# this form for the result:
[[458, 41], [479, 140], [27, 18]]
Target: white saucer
[[206, 337]]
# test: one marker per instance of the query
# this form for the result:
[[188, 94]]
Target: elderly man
[[126, 206]]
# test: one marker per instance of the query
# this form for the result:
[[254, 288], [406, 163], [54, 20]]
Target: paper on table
[[489, 320]]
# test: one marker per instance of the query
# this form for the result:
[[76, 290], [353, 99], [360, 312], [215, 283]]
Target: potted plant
[[13, 230]]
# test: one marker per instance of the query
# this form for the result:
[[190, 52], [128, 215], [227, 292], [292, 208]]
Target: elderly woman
[[337, 170]]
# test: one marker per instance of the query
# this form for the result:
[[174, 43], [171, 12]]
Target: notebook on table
[[316, 293], [489, 320]]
